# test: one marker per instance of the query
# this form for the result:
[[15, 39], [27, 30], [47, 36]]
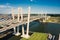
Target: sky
[[37, 6]]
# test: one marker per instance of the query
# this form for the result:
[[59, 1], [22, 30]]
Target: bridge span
[[9, 24], [14, 23]]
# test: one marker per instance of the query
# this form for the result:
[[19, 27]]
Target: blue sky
[[37, 6]]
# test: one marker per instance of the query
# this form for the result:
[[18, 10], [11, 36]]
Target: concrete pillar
[[17, 33], [18, 14], [45, 16], [14, 30], [53, 37], [21, 15], [20, 11], [13, 14], [59, 37], [28, 20], [22, 30], [27, 32], [23, 34], [44, 20], [18, 29]]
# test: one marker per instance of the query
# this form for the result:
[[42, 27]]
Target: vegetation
[[37, 36], [54, 15], [15, 38], [54, 19], [34, 36]]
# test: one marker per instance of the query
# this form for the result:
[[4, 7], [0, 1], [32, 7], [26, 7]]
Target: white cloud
[[5, 9], [2, 6], [8, 9], [5, 6]]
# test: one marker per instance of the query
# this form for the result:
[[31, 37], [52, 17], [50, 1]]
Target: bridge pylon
[[27, 31], [17, 32], [13, 14], [23, 33]]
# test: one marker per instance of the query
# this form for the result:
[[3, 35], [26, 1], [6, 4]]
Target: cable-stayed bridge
[[15, 23]]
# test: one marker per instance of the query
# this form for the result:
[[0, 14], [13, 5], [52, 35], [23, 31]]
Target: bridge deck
[[11, 24]]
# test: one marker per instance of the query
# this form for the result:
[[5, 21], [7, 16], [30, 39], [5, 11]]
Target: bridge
[[14, 23]]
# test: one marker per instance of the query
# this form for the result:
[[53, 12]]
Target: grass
[[34, 36], [15, 38], [37, 36]]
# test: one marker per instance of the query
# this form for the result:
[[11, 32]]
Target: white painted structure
[[19, 11], [13, 14], [20, 21], [45, 14], [59, 37], [23, 34], [17, 32], [27, 31], [18, 14]]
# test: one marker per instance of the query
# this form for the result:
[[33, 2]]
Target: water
[[37, 26], [53, 28]]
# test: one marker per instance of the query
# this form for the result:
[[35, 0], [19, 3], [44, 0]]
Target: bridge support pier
[[17, 33], [59, 37], [27, 32], [14, 30], [23, 34], [13, 14], [44, 20]]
